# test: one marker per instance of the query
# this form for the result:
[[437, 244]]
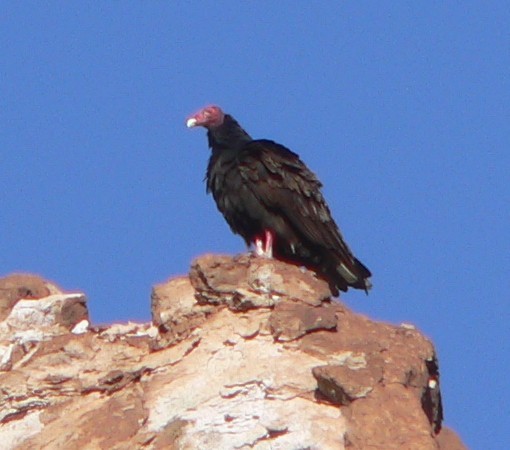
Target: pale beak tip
[[191, 122]]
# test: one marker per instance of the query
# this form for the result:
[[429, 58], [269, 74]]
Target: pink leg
[[268, 248]]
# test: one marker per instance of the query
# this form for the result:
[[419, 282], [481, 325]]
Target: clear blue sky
[[401, 108]]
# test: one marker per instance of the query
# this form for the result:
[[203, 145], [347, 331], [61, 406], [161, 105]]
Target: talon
[[259, 247], [264, 247]]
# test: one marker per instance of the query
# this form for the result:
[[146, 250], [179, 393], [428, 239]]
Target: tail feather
[[363, 276], [356, 275]]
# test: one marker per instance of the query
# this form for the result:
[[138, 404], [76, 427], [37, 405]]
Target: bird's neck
[[228, 136]]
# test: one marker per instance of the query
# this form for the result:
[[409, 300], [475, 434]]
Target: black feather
[[260, 185]]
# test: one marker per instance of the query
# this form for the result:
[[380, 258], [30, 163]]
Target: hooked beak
[[191, 122]]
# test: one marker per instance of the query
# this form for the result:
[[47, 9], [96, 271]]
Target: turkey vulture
[[269, 197]]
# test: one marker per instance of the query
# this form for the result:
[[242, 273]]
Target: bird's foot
[[259, 247], [264, 248]]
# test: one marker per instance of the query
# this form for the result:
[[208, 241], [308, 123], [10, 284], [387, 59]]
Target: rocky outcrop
[[244, 353]]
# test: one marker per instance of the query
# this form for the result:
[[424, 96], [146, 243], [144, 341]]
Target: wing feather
[[281, 181]]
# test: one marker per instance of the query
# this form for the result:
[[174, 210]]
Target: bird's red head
[[208, 117]]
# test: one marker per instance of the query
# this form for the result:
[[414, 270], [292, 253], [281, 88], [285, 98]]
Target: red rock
[[292, 320], [252, 353], [342, 384], [17, 286], [449, 440], [245, 282], [175, 311]]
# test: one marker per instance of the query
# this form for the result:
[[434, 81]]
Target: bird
[[272, 200]]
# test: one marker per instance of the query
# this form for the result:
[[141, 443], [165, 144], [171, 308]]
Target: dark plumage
[[269, 197]]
